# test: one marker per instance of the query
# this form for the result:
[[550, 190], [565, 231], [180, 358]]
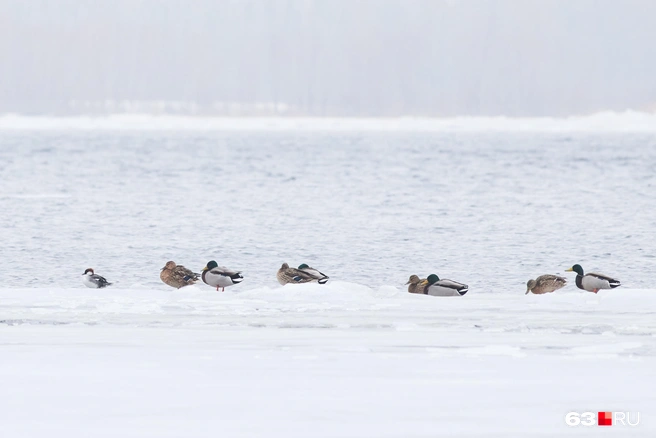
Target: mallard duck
[[444, 288], [592, 282], [94, 281], [545, 284], [220, 276], [177, 275], [292, 275], [319, 276], [416, 285]]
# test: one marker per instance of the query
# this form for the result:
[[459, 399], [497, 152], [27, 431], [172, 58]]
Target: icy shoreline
[[608, 121], [322, 361], [337, 305]]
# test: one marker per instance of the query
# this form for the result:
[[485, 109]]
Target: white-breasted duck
[[591, 281], [444, 288], [220, 276], [94, 281]]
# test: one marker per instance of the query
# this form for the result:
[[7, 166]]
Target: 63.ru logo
[[604, 418]]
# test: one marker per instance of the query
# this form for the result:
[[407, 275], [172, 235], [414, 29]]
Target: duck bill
[[407, 283], [204, 269], [569, 270]]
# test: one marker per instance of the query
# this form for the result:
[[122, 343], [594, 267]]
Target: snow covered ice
[[333, 360]]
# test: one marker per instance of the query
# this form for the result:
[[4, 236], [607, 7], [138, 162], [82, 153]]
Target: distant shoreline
[[627, 121]]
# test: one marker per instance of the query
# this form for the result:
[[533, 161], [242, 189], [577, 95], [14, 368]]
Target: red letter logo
[[605, 418]]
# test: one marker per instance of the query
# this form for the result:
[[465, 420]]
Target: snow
[[606, 121], [334, 360]]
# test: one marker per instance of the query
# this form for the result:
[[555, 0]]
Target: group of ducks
[[591, 282], [212, 274]]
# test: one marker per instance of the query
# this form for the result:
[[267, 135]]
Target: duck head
[[169, 265], [576, 268], [88, 271], [210, 265], [413, 279], [530, 285], [432, 279], [303, 266]]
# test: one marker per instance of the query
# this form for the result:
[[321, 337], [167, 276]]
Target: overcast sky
[[330, 57]]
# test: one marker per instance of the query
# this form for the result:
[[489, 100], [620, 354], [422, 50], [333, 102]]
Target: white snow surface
[[334, 360], [605, 121]]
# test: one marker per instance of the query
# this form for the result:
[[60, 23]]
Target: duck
[[94, 281], [292, 275], [319, 276], [443, 288], [416, 285], [545, 284], [177, 276], [593, 282], [220, 276]]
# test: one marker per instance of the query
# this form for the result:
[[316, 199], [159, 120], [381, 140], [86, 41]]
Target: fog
[[327, 58]]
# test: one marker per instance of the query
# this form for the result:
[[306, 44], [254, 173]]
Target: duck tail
[[614, 283], [237, 278], [323, 280]]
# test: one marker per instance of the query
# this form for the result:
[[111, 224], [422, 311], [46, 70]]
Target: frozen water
[[334, 360]]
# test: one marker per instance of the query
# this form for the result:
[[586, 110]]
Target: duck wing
[[233, 275], [293, 275], [612, 282], [550, 278], [446, 288], [100, 280], [184, 275], [452, 284], [299, 276], [222, 270], [316, 274]]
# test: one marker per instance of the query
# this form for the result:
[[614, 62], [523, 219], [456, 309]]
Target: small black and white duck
[[94, 281]]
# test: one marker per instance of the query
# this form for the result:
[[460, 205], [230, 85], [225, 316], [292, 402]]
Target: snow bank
[[627, 121], [335, 305], [321, 361]]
